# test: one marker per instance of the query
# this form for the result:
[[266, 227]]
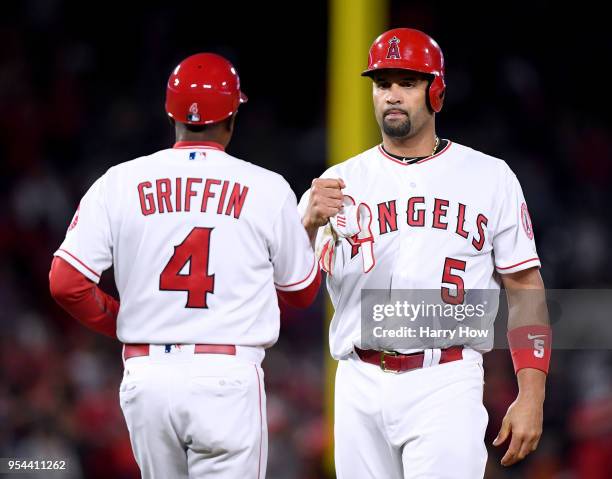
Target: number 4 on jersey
[[197, 282]]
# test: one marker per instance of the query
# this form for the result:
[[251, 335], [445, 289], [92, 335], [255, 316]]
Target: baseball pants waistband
[[250, 353], [394, 362]]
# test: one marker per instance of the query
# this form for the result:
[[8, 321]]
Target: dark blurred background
[[82, 88]]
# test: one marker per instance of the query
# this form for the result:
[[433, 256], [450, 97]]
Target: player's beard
[[397, 129]]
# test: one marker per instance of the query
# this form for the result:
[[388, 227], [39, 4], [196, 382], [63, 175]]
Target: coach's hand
[[324, 202], [523, 422]]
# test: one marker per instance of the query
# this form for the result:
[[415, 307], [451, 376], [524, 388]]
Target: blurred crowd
[[78, 96]]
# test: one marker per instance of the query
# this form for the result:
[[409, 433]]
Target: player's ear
[[442, 95]]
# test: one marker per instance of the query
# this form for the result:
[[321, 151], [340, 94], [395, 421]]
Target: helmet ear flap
[[437, 89]]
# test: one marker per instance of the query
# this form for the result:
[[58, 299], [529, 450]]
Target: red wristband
[[530, 347]]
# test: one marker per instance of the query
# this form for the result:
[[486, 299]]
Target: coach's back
[[199, 241]]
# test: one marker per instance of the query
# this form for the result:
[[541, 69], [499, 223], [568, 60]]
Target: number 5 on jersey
[[449, 277], [197, 282]]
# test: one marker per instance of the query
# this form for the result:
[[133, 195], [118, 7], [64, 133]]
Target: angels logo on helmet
[[393, 52]]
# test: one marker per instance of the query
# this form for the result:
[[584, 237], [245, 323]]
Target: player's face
[[399, 102]]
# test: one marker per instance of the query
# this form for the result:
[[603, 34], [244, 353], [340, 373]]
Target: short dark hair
[[203, 128], [196, 128]]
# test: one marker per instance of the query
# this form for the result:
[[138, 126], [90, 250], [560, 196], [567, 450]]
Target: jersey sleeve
[[303, 204], [290, 250], [88, 243], [513, 241]]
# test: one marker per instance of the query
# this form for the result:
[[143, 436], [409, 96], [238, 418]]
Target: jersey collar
[[395, 160], [198, 144]]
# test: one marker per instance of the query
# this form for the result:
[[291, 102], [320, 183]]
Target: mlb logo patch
[[197, 155]]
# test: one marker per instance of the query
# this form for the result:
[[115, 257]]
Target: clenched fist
[[324, 202]]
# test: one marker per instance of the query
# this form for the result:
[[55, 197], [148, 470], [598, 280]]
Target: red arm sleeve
[[83, 299], [303, 297]]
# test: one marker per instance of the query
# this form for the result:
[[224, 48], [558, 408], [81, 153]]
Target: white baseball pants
[[196, 415], [425, 423]]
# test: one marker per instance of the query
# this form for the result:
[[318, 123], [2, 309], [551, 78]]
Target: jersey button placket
[[409, 180]]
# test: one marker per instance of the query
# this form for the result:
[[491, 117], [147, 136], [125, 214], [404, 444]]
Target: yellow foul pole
[[351, 127]]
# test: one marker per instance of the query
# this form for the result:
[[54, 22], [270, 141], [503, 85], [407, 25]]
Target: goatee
[[398, 130]]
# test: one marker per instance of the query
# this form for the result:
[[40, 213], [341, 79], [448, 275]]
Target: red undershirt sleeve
[[82, 298], [301, 298]]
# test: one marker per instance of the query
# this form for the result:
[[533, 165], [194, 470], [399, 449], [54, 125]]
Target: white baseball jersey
[[446, 222], [199, 241]]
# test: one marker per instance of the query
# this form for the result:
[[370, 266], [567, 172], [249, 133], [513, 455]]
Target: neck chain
[[433, 152], [407, 159]]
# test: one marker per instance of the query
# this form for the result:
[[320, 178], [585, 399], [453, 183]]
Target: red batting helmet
[[203, 89], [409, 49]]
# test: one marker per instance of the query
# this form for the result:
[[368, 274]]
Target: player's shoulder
[[476, 160], [256, 170], [355, 165], [136, 164]]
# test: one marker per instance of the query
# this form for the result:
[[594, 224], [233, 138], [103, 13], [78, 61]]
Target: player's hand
[[324, 202], [523, 422]]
